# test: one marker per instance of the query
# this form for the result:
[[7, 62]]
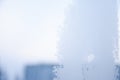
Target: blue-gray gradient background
[[82, 37], [91, 31]]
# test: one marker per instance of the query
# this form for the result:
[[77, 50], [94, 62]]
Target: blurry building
[[117, 72], [2, 75], [40, 72]]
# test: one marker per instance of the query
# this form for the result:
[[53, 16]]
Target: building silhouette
[[0, 74], [3, 76], [40, 72], [117, 72]]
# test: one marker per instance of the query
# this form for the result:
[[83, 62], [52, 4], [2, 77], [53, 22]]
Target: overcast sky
[[89, 40], [30, 33]]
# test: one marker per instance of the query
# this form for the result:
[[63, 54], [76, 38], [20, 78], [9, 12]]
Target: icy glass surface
[[59, 40]]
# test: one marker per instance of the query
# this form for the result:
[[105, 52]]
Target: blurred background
[[59, 40]]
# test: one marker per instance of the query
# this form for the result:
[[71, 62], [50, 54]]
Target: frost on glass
[[88, 41], [29, 36], [117, 48], [59, 40]]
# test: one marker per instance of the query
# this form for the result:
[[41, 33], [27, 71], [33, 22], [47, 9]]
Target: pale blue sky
[[32, 25], [29, 32], [90, 32]]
